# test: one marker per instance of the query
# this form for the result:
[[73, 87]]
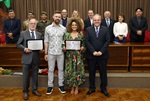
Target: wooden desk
[[10, 57], [133, 57], [119, 58], [140, 57]]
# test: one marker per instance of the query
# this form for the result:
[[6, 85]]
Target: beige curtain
[[127, 7]]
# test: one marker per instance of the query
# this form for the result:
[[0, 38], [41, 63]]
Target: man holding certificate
[[97, 42], [30, 57]]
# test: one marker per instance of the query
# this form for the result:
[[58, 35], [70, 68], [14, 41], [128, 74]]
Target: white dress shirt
[[120, 29], [31, 33]]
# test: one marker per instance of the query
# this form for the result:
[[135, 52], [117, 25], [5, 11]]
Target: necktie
[[11, 22], [107, 22], [139, 21], [96, 31], [33, 37]]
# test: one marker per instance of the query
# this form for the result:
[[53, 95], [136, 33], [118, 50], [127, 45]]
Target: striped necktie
[[33, 37]]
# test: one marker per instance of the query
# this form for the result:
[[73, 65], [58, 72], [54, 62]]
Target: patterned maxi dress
[[74, 66]]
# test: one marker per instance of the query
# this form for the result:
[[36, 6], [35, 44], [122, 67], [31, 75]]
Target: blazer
[[34, 56], [87, 23], [62, 22], [15, 28], [103, 23], [134, 26], [97, 44]]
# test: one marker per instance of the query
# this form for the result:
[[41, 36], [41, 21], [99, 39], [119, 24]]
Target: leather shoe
[[36, 93], [25, 96], [105, 93], [90, 92]]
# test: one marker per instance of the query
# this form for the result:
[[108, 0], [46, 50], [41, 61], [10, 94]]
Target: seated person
[[120, 29]]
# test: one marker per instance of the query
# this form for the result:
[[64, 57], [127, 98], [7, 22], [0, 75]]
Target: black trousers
[[26, 77], [102, 63]]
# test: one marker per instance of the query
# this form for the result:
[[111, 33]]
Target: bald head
[[64, 13], [32, 24], [97, 20]]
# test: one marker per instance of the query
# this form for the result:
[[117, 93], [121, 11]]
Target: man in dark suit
[[97, 42], [88, 22], [30, 59], [108, 22], [12, 27], [138, 26], [64, 17]]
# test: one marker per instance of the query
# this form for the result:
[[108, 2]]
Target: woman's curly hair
[[77, 21]]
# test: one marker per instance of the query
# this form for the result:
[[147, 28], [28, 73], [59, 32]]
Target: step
[[115, 80]]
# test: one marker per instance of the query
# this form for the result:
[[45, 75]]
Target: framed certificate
[[73, 44], [35, 44]]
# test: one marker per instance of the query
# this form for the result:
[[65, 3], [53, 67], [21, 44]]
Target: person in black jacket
[[97, 40], [108, 22], [89, 21], [138, 25], [12, 27]]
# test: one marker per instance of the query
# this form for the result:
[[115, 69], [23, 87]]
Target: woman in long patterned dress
[[74, 66]]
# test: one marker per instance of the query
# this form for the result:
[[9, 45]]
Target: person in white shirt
[[120, 29]]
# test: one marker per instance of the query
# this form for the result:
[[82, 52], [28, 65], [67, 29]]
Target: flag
[[7, 3]]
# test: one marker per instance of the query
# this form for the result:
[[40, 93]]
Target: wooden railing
[[128, 57]]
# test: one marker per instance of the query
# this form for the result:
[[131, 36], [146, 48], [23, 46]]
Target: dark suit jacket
[[97, 44], [15, 28], [103, 23], [134, 26], [34, 56], [87, 23]]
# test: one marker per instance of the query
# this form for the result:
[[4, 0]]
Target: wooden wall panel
[[127, 7]]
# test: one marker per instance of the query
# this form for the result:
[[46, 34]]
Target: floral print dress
[[74, 66]]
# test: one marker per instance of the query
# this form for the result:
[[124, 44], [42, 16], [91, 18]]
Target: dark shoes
[[25, 96], [105, 93], [90, 92], [62, 90], [49, 90], [36, 93]]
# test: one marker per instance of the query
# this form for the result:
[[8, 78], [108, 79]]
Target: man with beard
[[53, 40]]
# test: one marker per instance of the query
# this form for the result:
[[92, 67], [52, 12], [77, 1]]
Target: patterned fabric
[[74, 66], [42, 25], [54, 37]]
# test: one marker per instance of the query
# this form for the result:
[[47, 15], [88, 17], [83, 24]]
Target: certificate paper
[[73, 45], [35, 44]]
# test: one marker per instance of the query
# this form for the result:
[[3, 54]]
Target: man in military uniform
[[26, 22], [43, 23]]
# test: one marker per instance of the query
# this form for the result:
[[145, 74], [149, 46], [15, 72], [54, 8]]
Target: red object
[[147, 36], [128, 37], [2, 38], [83, 31], [44, 71]]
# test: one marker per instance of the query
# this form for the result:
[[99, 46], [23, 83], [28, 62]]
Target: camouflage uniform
[[41, 26]]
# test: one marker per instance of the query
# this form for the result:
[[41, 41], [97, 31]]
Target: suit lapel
[[89, 21], [28, 35], [37, 35]]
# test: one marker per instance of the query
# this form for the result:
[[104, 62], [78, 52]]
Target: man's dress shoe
[[36, 93], [90, 92], [105, 93]]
